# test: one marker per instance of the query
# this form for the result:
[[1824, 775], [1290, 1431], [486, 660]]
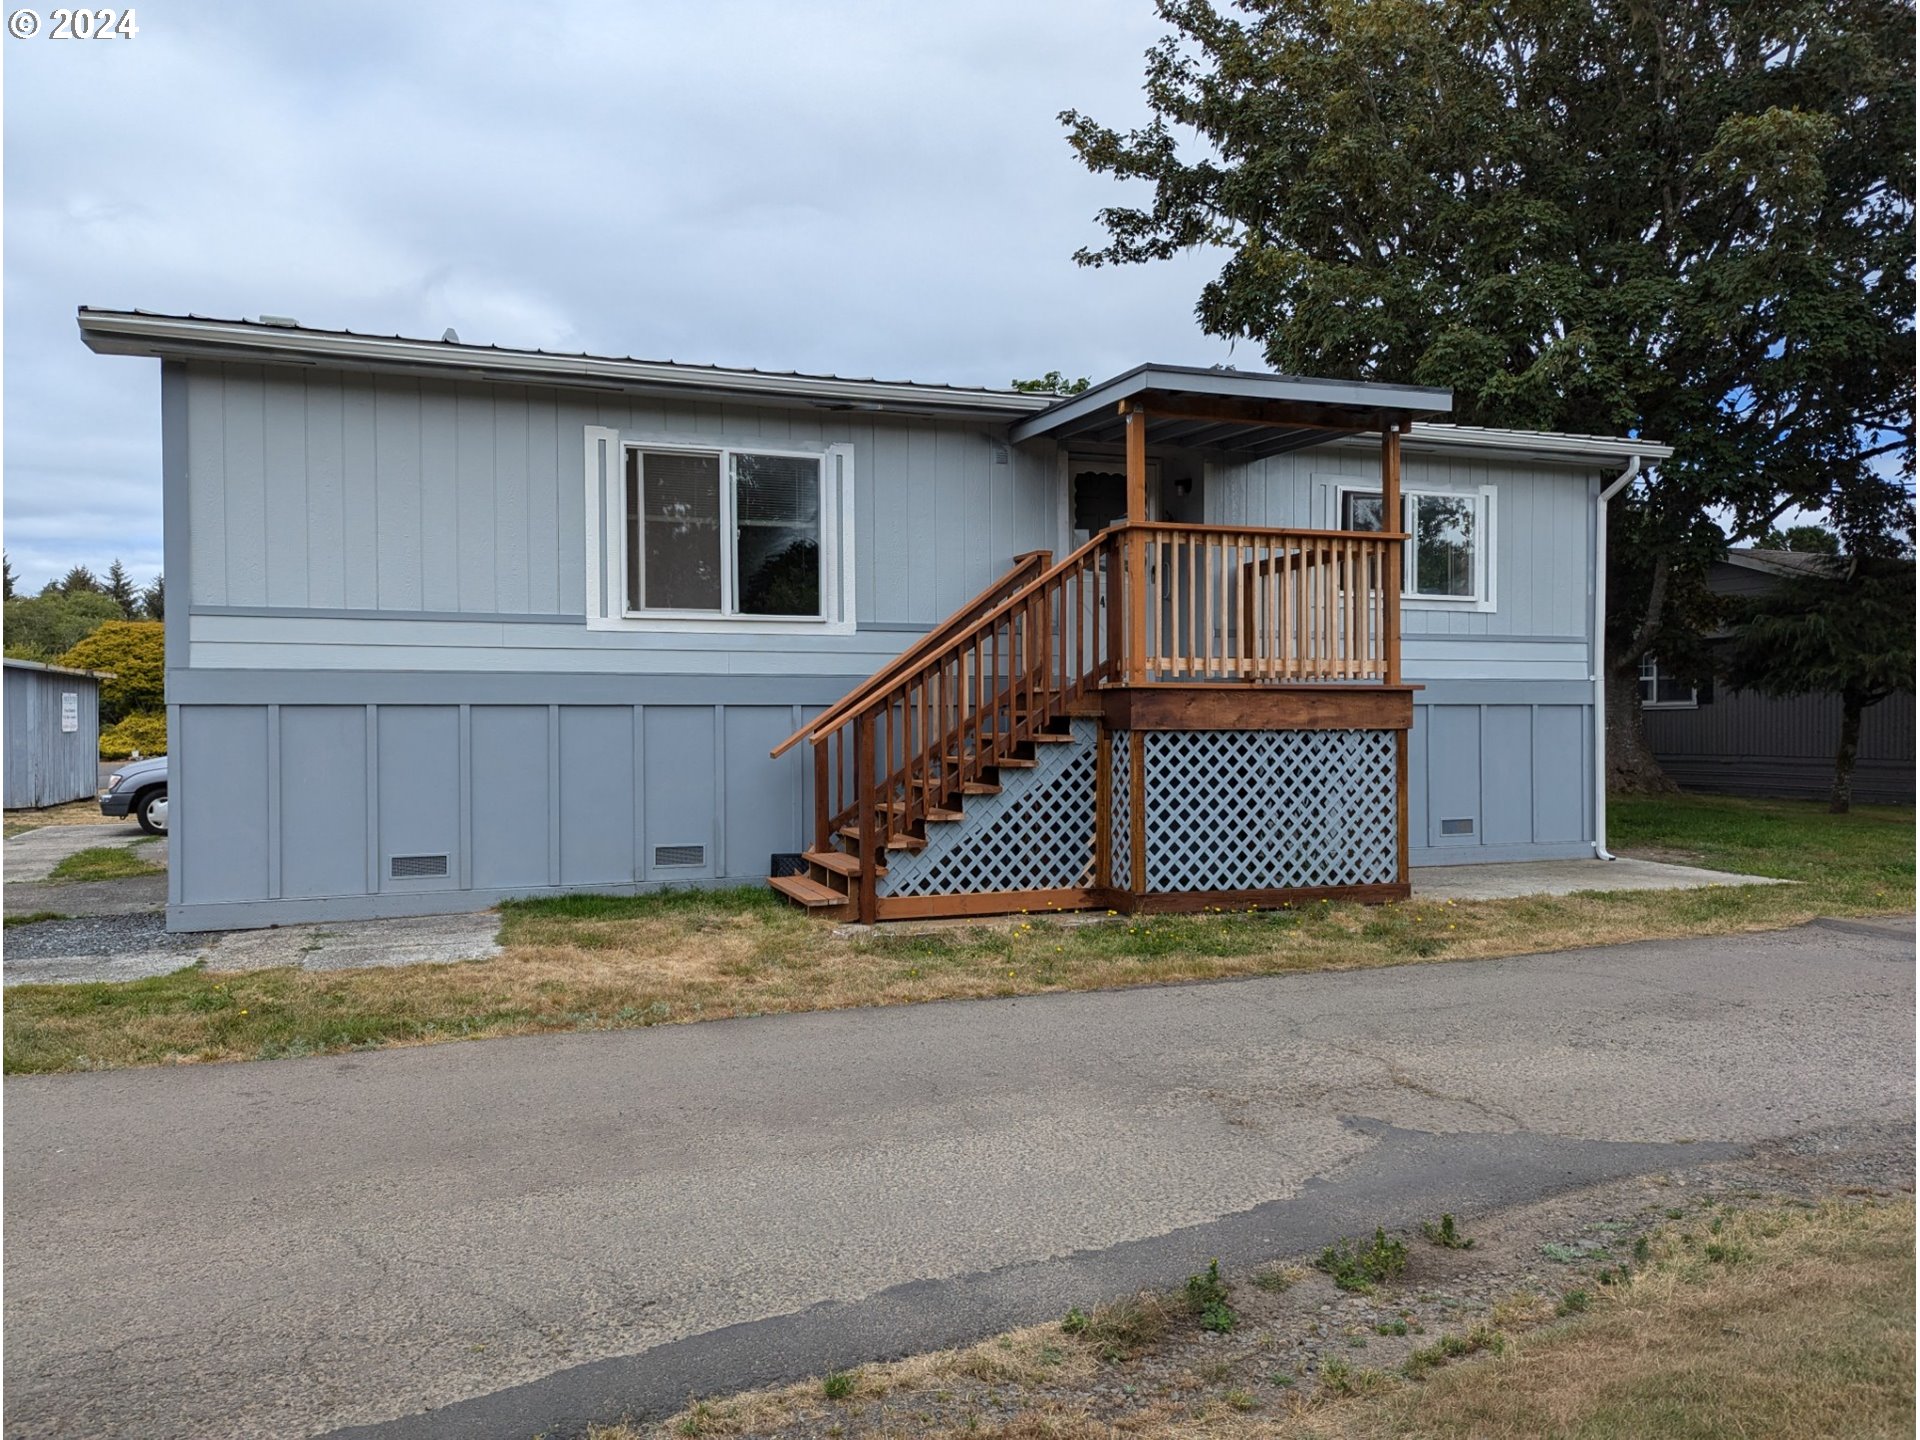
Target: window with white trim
[[709, 538], [1448, 556], [1664, 692]]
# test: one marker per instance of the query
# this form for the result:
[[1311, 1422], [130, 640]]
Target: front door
[[1097, 496]]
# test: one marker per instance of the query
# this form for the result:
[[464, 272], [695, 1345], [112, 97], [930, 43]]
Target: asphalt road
[[489, 1238]]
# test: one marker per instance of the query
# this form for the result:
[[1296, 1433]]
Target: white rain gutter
[[1626, 478]]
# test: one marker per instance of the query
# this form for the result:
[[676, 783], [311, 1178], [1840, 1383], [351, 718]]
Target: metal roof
[[1088, 418], [140, 332], [1325, 409], [15, 664]]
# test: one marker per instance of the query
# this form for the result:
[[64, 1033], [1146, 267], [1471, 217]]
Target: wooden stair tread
[[894, 842], [978, 787], [948, 816], [1047, 737], [810, 893], [1007, 762], [838, 861]]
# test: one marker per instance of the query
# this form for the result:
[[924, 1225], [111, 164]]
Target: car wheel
[[151, 811]]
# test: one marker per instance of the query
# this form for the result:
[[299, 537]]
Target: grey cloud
[[856, 188]]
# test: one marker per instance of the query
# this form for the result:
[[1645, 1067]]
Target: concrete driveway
[[494, 1237]]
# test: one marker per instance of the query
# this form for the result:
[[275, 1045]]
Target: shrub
[[145, 733], [135, 651]]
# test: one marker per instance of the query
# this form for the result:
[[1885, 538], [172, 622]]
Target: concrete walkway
[[32, 856], [283, 1248], [1513, 879]]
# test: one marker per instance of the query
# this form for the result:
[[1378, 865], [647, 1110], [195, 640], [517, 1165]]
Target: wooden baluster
[[1236, 620], [870, 843]]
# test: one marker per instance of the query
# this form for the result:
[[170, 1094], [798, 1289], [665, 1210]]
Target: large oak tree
[[1688, 221]]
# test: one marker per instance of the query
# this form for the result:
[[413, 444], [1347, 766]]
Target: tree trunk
[[1852, 703], [1631, 766]]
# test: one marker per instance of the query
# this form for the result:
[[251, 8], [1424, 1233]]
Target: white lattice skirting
[[1036, 834], [1261, 809]]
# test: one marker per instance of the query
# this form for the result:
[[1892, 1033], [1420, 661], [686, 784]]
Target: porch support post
[[1136, 567], [1392, 518]]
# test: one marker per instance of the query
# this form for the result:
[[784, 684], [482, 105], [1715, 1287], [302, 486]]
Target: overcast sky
[[860, 189]]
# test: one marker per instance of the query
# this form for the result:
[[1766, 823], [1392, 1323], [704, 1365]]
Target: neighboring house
[[456, 623], [52, 734], [1745, 743]]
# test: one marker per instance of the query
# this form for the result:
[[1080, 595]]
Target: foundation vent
[[416, 867], [685, 856], [1457, 827]]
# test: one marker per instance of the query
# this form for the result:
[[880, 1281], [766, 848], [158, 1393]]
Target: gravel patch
[[95, 935], [97, 947]]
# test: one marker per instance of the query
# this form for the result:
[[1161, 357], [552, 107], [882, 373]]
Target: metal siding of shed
[[45, 765]]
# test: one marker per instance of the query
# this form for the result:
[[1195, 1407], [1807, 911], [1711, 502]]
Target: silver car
[[139, 789]]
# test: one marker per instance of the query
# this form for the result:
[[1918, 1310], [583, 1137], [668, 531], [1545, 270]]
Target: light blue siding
[[1517, 770], [511, 795], [323, 800], [217, 770], [419, 786]]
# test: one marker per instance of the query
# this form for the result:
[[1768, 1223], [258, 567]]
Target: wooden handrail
[[1023, 564]]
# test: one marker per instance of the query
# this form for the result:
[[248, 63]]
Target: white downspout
[[1625, 479]]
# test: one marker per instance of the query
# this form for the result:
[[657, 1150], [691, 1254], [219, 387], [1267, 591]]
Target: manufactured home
[[456, 623]]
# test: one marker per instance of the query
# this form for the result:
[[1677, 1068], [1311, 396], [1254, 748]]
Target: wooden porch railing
[[1136, 605], [1281, 606]]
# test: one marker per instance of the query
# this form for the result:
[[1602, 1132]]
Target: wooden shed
[[52, 734]]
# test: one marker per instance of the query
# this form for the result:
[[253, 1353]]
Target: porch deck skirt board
[[1246, 816]]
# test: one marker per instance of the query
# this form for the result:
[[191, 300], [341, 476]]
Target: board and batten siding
[[1744, 743], [1500, 758], [349, 520]]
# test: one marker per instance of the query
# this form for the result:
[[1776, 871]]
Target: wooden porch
[[1172, 717]]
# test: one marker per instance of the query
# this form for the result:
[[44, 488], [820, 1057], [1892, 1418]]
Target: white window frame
[[607, 558], [1485, 597], [1649, 663]]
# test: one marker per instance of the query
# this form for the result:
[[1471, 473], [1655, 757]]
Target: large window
[[718, 539], [724, 533], [1449, 541]]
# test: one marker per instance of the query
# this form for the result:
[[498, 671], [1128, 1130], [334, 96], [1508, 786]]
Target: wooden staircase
[[901, 755], [834, 874]]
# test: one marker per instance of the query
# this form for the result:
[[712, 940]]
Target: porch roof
[[1249, 412]]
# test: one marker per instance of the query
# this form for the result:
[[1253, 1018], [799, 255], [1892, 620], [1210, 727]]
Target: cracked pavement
[[488, 1238]]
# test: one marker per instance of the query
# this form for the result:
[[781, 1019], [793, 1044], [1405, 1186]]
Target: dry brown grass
[[595, 962], [1786, 1322], [79, 812]]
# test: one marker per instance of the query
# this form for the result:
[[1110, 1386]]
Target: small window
[[1445, 546], [1447, 550], [726, 533], [1664, 692], [1360, 510]]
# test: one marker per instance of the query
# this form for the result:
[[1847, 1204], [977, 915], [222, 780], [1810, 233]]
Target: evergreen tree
[[153, 599], [120, 589], [77, 581]]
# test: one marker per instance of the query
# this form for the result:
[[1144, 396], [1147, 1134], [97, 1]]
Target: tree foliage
[[7, 580], [1053, 383], [1845, 627], [153, 599], [144, 733], [1691, 221], [1802, 540], [135, 651], [46, 626]]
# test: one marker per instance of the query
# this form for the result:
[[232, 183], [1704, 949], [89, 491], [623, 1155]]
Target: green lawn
[[604, 963], [105, 862]]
